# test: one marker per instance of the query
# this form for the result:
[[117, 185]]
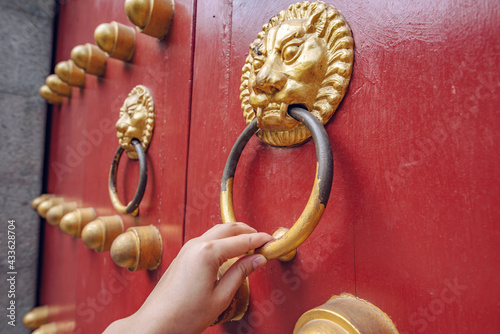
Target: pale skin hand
[[188, 298]]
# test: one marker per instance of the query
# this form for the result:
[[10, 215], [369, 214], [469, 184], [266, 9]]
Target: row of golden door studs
[[114, 40]]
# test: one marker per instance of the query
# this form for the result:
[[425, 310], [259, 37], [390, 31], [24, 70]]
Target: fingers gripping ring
[[133, 207], [318, 199]]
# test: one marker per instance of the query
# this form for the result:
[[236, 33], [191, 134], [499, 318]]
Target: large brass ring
[[318, 199], [133, 207]]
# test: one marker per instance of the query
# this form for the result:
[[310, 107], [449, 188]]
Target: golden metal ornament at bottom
[[345, 314]]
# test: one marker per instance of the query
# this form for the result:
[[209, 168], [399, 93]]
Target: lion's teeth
[[259, 112], [283, 110]]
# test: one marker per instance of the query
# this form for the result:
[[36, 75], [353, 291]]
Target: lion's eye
[[257, 64], [131, 110], [290, 52]]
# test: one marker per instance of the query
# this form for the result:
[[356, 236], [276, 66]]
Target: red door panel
[[415, 190], [271, 185], [59, 276], [99, 290], [424, 101]]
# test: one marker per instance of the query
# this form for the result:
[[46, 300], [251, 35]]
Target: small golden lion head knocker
[[137, 119], [303, 56]]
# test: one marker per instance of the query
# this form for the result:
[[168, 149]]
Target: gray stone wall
[[26, 31]]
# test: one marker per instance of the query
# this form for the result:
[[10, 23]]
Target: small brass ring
[[318, 199], [133, 207]]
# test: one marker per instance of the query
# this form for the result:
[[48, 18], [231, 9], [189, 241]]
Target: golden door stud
[[36, 317], [44, 207], [73, 222], [59, 327], [138, 248], [100, 233], [71, 74], [58, 86], [36, 202], [89, 58], [151, 17], [116, 39], [50, 96], [55, 213]]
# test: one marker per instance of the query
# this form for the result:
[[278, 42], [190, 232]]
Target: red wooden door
[[411, 225], [83, 142], [412, 222]]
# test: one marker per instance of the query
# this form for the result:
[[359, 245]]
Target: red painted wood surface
[[412, 222], [420, 144], [96, 288], [412, 225]]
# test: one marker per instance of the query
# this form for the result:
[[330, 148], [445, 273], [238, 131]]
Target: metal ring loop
[[133, 207], [318, 199]]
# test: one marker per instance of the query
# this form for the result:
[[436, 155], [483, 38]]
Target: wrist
[[118, 326], [136, 323], [150, 321]]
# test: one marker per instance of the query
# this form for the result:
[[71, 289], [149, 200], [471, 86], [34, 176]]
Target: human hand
[[188, 298]]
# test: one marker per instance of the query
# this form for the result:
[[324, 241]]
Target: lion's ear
[[316, 23], [141, 99]]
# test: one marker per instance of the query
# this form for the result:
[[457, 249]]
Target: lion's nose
[[121, 125], [269, 80]]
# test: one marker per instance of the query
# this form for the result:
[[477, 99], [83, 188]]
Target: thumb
[[234, 276]]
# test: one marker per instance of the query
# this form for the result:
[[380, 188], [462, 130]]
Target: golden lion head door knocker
[[294, 78], [134, 131], [303, 56]]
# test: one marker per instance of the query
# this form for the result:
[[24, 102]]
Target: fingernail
[[259, 261]]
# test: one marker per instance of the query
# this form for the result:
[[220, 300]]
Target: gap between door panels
[[191, 78], [354, 259], [222, 13]]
